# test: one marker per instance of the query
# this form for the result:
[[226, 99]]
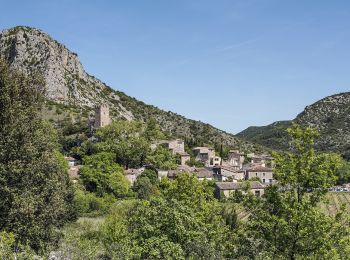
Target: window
[[256, 174], [263, 174], [264, 180], [270, 180], [257, 193]]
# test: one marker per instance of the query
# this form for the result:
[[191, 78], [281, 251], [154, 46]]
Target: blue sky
[[232, 64]]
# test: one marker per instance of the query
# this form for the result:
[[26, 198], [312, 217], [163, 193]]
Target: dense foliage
[[100, 174], [274, 136], [289, 223], [35, 191], [182, 220]]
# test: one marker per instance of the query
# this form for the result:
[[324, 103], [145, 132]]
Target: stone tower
[[102, 118]]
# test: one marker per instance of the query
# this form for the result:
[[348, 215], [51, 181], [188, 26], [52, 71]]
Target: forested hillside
[[330, 116]]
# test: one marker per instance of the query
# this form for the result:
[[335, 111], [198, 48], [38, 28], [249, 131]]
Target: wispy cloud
[[236, 45], [214, 51]]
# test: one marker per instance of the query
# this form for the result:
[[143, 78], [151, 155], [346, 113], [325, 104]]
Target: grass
[[334, 202], [93, 220]]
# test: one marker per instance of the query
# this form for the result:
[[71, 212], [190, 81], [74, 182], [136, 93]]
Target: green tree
[[35, 190], [184, 223], [102, 175], [288, 223], [125, 139], [153, 131], [194, 163], [146, 184], [343, 173], [162, 158]]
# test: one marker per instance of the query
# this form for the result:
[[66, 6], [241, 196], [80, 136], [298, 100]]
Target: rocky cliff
[[331, 117], [29, 49]]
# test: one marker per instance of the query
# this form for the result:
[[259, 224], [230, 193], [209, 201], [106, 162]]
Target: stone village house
[[265, 174], [207, 156], [226, 189], [132, 174], [176, 146], [226, 173]]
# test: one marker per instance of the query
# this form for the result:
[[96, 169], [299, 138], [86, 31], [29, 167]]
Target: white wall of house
[[131, 178], [162, 174], [214, 161], [265, 177]]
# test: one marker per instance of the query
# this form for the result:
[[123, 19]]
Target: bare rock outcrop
[[29, 49]]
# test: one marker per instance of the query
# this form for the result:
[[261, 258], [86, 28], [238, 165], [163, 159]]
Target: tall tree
[[35, 191], [124, 139], [183, 223], [102, 175], [288, 223]]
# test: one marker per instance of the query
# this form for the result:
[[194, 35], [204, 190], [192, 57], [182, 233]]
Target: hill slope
[[30, 49], [273, 135], [330, 116]]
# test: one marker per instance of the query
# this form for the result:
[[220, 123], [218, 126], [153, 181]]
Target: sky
[[230, 63]]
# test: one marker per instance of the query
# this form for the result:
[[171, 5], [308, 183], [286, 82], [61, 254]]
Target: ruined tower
[[102, 118]]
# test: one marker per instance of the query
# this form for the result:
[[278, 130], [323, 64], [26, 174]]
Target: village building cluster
[[228, 173]]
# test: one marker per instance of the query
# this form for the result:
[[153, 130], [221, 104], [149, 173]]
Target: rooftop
[[237, 185], [227, 168], [203, 173], [259, 168]]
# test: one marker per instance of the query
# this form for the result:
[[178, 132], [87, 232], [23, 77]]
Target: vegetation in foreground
[[154, 219]]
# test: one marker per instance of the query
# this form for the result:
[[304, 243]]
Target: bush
[[81, 241], [88, 204]]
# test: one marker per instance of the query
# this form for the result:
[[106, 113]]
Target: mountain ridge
[[29, 49], [329, 115]]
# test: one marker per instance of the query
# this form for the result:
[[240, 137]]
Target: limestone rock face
[[29, 49], [331, 117]]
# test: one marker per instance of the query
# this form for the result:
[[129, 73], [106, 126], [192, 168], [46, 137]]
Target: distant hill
[[29, 49], [273, 135], [330, 116]]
